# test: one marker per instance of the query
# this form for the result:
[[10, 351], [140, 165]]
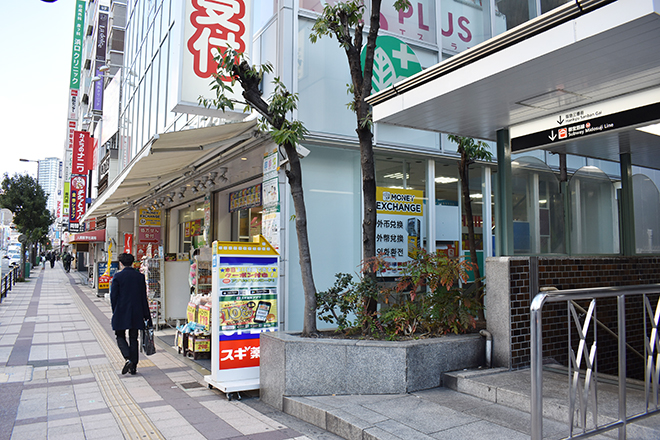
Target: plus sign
[[404, 56]]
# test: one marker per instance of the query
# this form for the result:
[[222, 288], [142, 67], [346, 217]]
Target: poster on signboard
[[245, 278], [399, 225]]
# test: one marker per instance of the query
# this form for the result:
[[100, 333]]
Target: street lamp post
[[38, 164]]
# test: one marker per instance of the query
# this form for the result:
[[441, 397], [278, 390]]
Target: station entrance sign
[[599, 118]]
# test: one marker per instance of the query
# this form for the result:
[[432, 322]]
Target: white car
[[14, 257]]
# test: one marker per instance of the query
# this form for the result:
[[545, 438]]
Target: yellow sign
[[408, 202], [248, 313], [149, 217], [191, 312], [204, 316], [258, 247], [201, 345]]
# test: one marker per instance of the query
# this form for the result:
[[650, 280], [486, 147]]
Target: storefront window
[[594, 213], [647, 215], [538, 210], [245, 208], [447, 208], [191, 227], [322, 77], [401, 218]]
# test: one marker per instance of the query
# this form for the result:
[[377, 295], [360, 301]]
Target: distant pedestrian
[[130, 309], [51, 258], [66, 261]]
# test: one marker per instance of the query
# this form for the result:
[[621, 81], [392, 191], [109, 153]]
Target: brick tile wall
[[576, 273]]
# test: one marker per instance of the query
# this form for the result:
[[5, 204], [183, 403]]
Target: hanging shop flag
[[81, 155], [245, 277]]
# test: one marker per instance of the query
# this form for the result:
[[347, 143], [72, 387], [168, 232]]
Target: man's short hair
[[126, 259]]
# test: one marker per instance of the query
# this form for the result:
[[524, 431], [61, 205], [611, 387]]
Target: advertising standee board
[[245, 299]]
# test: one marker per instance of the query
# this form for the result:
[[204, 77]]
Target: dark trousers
[[129, 349], [52, 263]]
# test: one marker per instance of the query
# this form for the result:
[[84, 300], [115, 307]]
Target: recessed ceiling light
[[243, 158], [443, 179]]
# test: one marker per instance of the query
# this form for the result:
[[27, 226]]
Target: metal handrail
[[652, 344], [8, 281]]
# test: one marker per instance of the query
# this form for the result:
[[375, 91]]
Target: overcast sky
[[35, 52]]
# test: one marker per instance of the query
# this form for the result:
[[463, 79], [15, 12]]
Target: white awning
[[165, 158]]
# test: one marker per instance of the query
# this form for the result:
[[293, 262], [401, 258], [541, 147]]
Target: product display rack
[[203, 277], [153, 274]]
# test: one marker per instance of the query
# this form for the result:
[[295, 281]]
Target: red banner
[[77, 198], [128, 243], [239, 353], [81, 153]]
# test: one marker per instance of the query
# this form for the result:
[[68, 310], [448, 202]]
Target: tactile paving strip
[[134, 423]]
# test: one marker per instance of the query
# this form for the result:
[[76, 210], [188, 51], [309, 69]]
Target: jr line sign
[[574, 124]]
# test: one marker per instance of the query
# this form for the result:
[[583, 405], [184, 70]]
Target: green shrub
[[427, 299]]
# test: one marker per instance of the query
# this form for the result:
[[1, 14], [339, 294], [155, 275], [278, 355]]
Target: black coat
[[128, 297]]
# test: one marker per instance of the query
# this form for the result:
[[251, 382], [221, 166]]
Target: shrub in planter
[[427, 299]]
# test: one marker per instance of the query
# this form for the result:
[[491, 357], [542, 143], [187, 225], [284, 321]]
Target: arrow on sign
[[552, 136], [560, 120]]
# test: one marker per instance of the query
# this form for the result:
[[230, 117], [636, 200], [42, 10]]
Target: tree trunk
[[252, 95], [464, 170], [294, 175]]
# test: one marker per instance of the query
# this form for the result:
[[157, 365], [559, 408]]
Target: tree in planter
[[233, 67], [470, 151], [26, 199], [344, 21]]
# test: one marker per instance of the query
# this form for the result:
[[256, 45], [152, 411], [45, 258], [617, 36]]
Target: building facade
[[212, 176]]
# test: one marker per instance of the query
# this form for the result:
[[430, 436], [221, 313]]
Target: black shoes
[[127, 366]]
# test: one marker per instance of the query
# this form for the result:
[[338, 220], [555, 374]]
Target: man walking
[[66, 260], [128, 297]]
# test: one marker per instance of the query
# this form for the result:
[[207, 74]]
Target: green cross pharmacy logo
[[394, 60]]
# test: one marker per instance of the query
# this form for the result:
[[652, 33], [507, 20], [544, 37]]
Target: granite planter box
[[295, 366]]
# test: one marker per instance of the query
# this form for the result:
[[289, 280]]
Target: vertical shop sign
[[77, 201], [398, 225], [76, 53], [81, 159], [209, 26], [245, 300], [65, 199]]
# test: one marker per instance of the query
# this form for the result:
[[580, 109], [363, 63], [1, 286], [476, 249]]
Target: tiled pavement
[[59, 378]]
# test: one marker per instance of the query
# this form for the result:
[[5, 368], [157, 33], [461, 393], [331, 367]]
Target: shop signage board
[[245, 300], [606, 116], [208, 26], [394, 61], [105, 280], [398, 225]]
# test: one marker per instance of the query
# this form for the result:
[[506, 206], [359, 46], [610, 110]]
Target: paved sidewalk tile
[[60, 378]]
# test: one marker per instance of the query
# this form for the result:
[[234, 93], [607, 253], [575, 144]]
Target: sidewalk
[[60, 378]]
